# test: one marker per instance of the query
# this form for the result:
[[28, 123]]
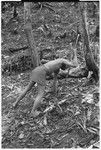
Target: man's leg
[[28, 88], [55, 82], [38, 100]]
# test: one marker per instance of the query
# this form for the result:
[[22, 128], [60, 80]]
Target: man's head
[[63, 66]]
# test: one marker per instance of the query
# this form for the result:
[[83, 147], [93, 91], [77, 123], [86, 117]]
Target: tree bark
[[90, 62], [29, 35]]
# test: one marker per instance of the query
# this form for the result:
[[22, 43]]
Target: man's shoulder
[[61, 59]]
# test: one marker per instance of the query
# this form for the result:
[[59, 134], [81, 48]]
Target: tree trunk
[[15, 14], [90, 62], [29, 35]]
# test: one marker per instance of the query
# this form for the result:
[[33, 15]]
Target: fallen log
[[73, 73]]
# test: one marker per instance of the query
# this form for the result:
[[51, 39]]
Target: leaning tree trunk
[[90, 62], [29, 34]]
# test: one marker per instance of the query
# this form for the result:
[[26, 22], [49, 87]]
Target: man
[[39, 76]]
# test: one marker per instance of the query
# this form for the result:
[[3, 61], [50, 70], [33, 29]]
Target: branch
[[53, 106], [70, 26], [49, 109], [74, 59], [75, 73], [18, 49]]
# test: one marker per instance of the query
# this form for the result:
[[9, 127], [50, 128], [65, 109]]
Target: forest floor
[[77, 126], [73, 128]]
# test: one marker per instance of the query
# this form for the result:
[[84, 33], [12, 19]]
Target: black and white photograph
[[50, 74]]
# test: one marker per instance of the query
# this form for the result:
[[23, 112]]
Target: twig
[[53, 106]]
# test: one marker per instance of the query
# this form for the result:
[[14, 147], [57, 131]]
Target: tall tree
[[90, 62], [29, 34]]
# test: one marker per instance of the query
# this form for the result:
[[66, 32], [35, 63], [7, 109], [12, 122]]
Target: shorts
[[39, 75]]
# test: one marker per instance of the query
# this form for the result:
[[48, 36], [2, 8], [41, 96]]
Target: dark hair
[[63, 66]]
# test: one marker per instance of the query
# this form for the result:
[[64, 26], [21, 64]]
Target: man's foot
[[34, 113]]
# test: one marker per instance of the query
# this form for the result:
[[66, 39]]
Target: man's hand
[[63, 72], [74, 70]]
